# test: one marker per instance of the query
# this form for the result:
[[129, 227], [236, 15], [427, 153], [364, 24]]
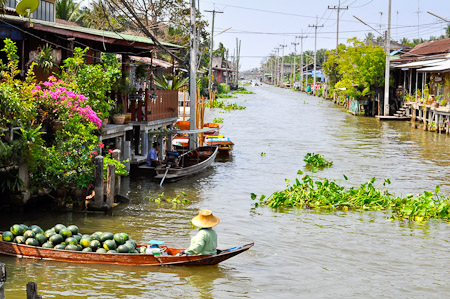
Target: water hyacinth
[[67, 103]]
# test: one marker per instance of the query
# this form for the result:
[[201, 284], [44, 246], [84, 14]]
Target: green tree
[[67, 10], [356, 68]]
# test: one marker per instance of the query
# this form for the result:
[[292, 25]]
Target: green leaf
[[253, 196], [437, 190]]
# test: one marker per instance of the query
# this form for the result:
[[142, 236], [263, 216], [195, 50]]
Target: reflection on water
[[297, 253]]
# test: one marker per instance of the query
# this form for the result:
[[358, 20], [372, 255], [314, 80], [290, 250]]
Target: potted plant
[[118, 116]]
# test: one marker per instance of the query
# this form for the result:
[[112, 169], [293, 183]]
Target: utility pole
[[193, 77], [388, 57], [315, 53], [211, 48], [295, 57], [226, 63], [282, 63], [338, 9], [238, 53], [301, 37], [277, 69]]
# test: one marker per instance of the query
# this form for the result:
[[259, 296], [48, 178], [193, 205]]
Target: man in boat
[[205, 241], [152, 156]]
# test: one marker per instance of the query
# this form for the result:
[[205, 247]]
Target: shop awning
[[443, 67], [420, 64]]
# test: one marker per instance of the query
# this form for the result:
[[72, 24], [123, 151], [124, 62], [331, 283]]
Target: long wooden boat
[[139, 259], [188, 163]]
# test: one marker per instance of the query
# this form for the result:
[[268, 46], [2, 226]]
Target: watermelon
[[133, 242], [59, 227], [87, 249], [17, 230], [74, 229], [98, 233], [95, 244], [25, 227], [79, 247], [48, 245], [60, 246], [41, 238], [56, 239], [111, 251], [123, 249], [49, 232], [72, 241], [119, 238], [32, 242], [96, 236], [135, 251], [77, 237], [85, 236], [65, 232], [109, 245], [101, 250], [85, 242], [29, 234], [106, 236], [130, 245], [7, 236], [19, 240], [36, 229], [71, 247], [125, 236]]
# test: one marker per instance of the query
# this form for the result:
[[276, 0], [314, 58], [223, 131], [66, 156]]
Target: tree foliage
[[357, 69]]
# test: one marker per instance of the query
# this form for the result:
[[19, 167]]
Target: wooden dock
[[429, 118]]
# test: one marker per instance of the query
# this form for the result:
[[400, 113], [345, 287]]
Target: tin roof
[[153, 61], [70, 30], [430, 48]]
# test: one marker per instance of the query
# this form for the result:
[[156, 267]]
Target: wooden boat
[[224, 143], [187, 164], [139, 259]]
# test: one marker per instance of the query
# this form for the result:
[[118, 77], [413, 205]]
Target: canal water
[[297, 253]]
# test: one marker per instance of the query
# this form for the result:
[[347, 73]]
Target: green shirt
[[204, 242]]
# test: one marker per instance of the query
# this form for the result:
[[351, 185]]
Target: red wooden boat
[[139, 259]]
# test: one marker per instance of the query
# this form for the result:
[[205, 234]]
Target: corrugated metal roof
[[430, 48], [154, 61], [96, 32]]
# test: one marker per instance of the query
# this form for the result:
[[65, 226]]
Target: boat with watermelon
[[67, 244], [168, 256]]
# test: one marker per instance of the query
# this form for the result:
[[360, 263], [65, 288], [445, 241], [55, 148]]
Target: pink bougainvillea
[[68, 103]]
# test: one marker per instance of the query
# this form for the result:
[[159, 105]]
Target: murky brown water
[[297, 254]]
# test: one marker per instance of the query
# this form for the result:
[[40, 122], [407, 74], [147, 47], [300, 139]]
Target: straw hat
[[205, 219]]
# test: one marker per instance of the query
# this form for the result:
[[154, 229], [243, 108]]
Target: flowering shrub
[[66, 104]]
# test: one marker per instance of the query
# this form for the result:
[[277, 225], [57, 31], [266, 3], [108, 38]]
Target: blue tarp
[[319, 75]]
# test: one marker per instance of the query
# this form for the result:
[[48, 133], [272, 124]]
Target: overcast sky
[[263, 25]]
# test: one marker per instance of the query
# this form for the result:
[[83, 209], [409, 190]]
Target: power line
[[338, 9]]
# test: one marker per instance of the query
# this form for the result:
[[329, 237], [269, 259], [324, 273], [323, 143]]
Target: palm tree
[[447, 31], [67, 10], [370, 38]]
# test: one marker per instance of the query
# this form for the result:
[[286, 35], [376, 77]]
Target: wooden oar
[[167, 170]]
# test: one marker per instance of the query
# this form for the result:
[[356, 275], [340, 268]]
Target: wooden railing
[[159, 105]]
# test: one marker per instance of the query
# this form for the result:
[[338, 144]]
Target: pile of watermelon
[[69, 238]]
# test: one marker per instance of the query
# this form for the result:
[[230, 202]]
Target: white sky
[[263, 25]]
